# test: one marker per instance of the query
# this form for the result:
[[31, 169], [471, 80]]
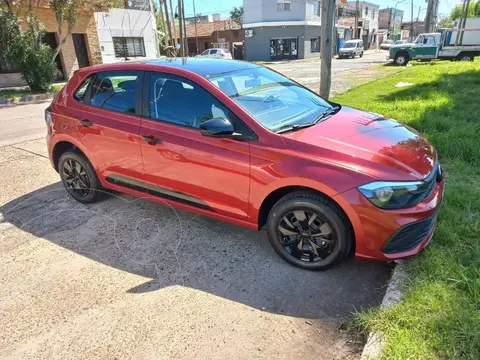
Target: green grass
[[439, 316], [10, 94]]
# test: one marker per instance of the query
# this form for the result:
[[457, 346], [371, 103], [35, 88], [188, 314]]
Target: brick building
[[81, 49]]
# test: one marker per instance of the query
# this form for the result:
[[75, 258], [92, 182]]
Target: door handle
[[151, 139], [85, 123]]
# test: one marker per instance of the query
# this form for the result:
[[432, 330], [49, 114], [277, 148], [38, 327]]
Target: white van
[[351, 48]]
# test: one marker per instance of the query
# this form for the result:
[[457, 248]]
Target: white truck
[[441, 45]]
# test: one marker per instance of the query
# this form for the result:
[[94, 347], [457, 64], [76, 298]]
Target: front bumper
[[393, 234]]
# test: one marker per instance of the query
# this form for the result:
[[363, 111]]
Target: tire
[[401, 59], [87, 188], [335, 243], [361, 54], [465, 57]]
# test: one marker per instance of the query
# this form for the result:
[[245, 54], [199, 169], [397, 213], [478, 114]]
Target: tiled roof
[[206, 29]]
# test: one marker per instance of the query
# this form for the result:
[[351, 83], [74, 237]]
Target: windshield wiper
[[323, 116], [294, 127], [326, 114]]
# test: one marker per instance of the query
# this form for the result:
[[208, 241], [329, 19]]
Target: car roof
[[352, 41], [202, 66]]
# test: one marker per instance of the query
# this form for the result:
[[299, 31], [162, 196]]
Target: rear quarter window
[[81, 91]]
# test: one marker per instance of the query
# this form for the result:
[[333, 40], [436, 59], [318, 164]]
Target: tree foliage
[[473, 10], [24, 48], [236, 14]]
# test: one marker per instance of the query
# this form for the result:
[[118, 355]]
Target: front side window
[[315, 44], [273, 100], [128, 47], [283, 5], [205, 52], [180, 101], [116, 91], [213, 52]]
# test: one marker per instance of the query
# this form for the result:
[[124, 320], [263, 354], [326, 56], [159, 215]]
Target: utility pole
[[173, 24], [428, 16], [185, 35], [389, 23], [195, 22], [464, 23], [180, 27], [357, 9], [411, 22], [168, 22], [326, 35]]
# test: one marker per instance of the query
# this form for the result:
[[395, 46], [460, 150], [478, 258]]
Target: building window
[[128, 46], [316, 8], [373, 14], [315, 44], [283, 5], [366, 10]]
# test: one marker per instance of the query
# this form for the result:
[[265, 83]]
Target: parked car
[[351, 48], [386, 44], [241, 143], [216, 54], [400, 42]]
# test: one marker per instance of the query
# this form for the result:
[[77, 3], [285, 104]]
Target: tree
[[477, 9], [473, 10], [237, 14]]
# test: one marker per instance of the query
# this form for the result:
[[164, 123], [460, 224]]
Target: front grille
[[409, 236]]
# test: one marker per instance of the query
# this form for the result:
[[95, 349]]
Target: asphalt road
[[129, 278]]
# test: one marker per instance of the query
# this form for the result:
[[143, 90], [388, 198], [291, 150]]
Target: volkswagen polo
[[241, 143]]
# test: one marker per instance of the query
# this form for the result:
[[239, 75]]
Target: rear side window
[[212, 52], [116, 91], [79, 95]]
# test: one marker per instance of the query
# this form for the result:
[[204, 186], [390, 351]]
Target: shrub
[[24, 50]]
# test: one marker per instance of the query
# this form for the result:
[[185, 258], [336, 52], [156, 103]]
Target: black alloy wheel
[[306, 235], [76, 178], [309, 230], [79, 177]]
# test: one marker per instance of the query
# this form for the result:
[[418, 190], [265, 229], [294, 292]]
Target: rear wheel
[[361, 54], [79, 177], [465, 57], [309, 231], [401, 59]]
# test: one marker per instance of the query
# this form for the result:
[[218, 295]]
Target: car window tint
[[213, 52], [180, 101], [115, 90], [79, 95]]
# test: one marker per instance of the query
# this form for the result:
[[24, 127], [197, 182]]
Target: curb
[[26, 99], [393, 295]]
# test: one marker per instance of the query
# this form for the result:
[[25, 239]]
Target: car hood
[[407, 45], [347, 49], [368, 143]]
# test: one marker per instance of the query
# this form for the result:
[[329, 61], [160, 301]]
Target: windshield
[[273, 100], [349, 45]]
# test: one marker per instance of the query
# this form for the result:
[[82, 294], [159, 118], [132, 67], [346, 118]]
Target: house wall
[[85, 25], [125, 23], [266, 10], [257, 48]]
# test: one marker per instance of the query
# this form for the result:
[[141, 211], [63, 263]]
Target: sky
[[224, 6]]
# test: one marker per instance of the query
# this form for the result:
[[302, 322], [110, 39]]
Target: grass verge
[[11, 94], [439, 317]]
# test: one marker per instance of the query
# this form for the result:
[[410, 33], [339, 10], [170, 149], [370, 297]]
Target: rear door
[[108, 123], [180, 163]]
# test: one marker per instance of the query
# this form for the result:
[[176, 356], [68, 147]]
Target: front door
[[425, 48], [183, 165], [80, 46], [107, 120], [285, 48]]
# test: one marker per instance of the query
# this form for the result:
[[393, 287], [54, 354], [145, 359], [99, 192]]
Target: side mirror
[[217, 127]]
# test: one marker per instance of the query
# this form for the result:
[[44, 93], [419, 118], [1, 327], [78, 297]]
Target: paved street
[[129, 278]]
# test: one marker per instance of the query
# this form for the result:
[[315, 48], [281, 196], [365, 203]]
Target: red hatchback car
[[244, 144]]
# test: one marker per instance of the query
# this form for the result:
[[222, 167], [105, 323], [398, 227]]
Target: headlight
[[394, 195]]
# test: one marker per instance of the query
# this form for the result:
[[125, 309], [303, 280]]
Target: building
[[202, 19], [390, 22], [367, 22], [80, 49], [126, 34], [418, 28], [224, 34], [281, 29]]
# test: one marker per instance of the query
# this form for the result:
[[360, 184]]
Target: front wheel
[[361, 54], [401, 60], [309, 231], [79, 177]]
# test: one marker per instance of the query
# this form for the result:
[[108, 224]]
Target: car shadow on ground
[[174, 247]]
